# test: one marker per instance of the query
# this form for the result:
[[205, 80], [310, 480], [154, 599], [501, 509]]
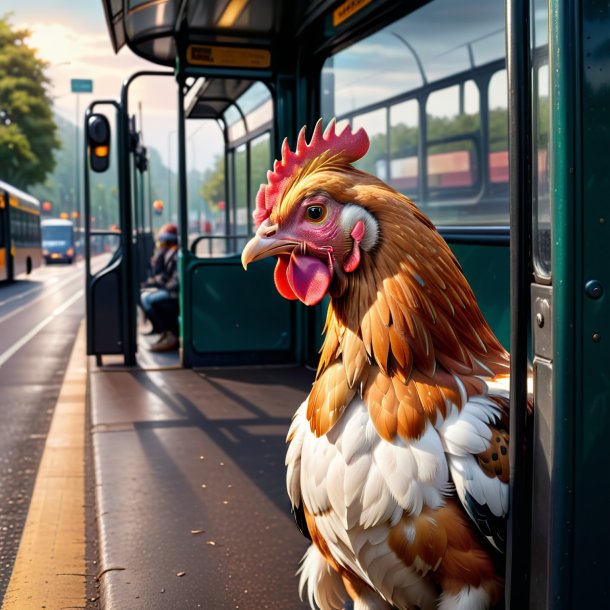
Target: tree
[[28, 142]]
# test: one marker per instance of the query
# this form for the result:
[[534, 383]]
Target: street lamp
[[78, 86]]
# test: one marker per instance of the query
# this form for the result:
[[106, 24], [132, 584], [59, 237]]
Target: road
[[39, 319]]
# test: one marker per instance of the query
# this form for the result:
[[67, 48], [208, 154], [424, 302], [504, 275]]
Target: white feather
[[469, 598], [351, 214], [322, 584]]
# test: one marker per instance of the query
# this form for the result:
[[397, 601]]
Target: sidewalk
[[50, 569], [191, 509], [191, 503]]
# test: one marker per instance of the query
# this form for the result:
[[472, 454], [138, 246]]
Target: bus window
[[498, 131], [376, 160], [404, 139], [420, 99], [453, 143], [367, 73]]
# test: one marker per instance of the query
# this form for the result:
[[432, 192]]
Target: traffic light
[[158, 206], [98, 139], [47, 206]]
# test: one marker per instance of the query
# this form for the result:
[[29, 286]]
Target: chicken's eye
[[315, 213]]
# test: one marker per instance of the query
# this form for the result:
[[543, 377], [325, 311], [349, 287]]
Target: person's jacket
[[167, 276]]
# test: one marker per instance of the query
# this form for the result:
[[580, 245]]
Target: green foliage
[[27, 145], [213, 183], [213, 187]]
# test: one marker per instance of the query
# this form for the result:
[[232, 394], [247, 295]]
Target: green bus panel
[[232, 310], [487, 268]]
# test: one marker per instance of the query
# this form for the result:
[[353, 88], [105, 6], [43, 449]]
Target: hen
[[398, 459]]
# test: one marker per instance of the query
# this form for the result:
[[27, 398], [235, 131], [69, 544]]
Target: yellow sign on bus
[[229, 57], [347, 10]]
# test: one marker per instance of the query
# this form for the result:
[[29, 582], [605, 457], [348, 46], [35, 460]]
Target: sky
[[71, 35]]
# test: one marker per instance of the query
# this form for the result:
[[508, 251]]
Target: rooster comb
[[347, 145]]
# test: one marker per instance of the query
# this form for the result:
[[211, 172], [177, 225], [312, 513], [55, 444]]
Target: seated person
[[159, 297]]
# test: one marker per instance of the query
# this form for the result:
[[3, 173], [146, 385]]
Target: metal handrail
[[209, 238]]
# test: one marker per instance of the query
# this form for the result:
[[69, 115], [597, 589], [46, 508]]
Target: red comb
[[350, 146]]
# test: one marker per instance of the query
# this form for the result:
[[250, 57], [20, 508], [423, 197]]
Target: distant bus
[[58, 241], [20, 249]]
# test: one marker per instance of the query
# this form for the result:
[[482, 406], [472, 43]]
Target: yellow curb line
[[49, 571]]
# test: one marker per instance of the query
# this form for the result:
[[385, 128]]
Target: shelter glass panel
[[207, 195], [241, 193], [235, 123], [260, 162]]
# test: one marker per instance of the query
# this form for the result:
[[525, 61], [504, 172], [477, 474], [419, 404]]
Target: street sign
[[82, 85]]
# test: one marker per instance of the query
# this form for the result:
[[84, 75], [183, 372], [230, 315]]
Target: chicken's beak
[[265, 243]]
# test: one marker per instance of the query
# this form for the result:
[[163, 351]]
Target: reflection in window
[[540, 29], [428, 139], [541, 192], [375, 124], [404, 139], [454, 124], [498, 130], [348, 75]]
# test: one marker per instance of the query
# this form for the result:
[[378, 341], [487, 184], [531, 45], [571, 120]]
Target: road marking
[[34, 331], [97, 264], [45, 295], [25, 293], [50, 568]]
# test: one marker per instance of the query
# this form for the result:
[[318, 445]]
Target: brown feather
[[328, 399], [354, 358]]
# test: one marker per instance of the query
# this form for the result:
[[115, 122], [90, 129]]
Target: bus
[[58, 244], [20, 249]]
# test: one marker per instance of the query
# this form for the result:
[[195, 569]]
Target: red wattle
[[281, 280], [308, 278]]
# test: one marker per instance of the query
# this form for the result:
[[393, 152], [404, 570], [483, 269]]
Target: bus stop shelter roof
[[151, 28], [214, 96]]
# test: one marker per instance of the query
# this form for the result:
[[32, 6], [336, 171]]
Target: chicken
[[398, 458]]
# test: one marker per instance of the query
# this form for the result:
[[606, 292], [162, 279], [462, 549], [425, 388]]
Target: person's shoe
[[166, 343]]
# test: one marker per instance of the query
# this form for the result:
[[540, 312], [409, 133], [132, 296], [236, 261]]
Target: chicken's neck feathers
[[409, 315]]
